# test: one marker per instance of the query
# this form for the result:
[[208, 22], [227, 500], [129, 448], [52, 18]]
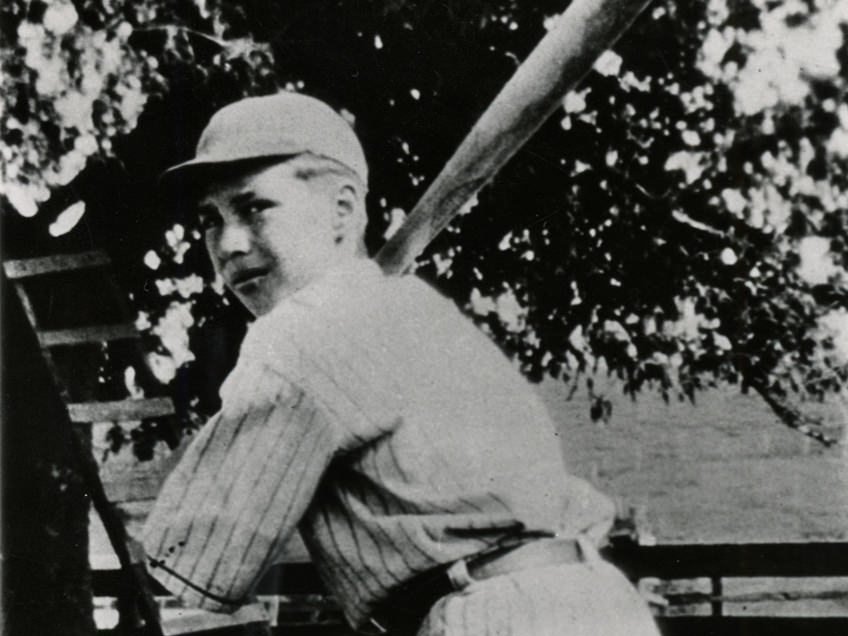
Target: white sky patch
[[189, 286], [696, 100], [835, 324], [649, 325], [152, 260], [468, 205], [67, 219], [70, 165], [692, 164], [733, 201], [142, 321], [713, 50], [163, 367], [722, 342], [480, 304], [576, 299], [506, 241], [691, 138], [577, 340], [130, 383], [768, 207], [609, 63], [688, 323], [838, 142], [22, 199], [175, 238], [629, 80], [60, 17], [396, 219], [783, 58], [512, 315], [580, 166], [781, 169], [166, 286], [575, 101], [76, 109], [175, 235], [717, 11], [172, 330], [616, 331], [185, 287], [817, 265], [443, 263]]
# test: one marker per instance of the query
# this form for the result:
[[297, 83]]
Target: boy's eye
[[209, 221], [254, 207]]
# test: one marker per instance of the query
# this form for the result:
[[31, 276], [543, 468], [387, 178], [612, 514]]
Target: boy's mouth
[[247, 276]]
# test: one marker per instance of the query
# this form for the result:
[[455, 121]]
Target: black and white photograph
[[424, 318]]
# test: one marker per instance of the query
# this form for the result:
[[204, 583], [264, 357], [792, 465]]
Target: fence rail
[[302, 608]]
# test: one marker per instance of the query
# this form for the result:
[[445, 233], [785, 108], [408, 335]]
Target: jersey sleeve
[[240, 490]]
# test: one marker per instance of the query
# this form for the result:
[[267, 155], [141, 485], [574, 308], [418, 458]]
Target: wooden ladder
[[78, 311], [61, 295]]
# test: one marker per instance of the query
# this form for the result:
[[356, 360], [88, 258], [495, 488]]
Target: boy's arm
[[239, 491]]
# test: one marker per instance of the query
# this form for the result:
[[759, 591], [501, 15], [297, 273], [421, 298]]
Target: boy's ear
[[347, 222], [347, 200]]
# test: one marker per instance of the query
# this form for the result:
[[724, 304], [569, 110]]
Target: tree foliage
[[680, 222]]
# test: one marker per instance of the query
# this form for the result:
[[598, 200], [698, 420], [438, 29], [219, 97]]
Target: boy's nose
[[234, 239]]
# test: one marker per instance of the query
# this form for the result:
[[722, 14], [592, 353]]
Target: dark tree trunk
[[47, 581]]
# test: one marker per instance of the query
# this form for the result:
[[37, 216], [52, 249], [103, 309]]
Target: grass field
[[724, 470]]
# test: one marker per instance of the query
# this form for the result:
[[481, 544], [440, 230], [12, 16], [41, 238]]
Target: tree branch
[[790, 415]]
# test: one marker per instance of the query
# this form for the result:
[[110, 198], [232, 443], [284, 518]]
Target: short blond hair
[[308, 166]]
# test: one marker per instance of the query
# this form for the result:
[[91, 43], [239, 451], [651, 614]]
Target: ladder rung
[[26, 267], [85, 335], [120, 410], [196, 621]]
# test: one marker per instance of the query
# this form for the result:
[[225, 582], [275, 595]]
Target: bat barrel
[[559, 61]]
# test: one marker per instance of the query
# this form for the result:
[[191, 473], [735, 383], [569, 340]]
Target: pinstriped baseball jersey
[[368, 413]]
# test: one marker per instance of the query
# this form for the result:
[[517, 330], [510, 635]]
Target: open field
[[725, 470]]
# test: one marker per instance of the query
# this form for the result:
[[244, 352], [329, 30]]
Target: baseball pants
[[589, 598]]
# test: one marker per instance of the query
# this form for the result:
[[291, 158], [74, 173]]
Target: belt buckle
[[586, 549], [458, 575]]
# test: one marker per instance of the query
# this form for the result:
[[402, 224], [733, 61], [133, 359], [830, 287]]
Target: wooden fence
[[719, 562], [297, 597]]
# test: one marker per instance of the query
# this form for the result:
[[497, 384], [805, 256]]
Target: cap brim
[[187, 178]]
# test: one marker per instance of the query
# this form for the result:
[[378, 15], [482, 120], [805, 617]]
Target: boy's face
[[269, 233]]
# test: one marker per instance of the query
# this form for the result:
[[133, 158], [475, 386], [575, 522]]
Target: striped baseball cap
[[269, 127]]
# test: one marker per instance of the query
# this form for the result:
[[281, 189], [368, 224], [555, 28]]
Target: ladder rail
[[80, 414], [141, 604]]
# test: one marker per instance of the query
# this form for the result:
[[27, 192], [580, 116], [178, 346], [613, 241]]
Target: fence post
[[716, 593]]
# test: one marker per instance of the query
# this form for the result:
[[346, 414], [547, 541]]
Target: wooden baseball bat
[[559, 61]]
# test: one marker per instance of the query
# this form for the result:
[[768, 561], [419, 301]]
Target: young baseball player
[[421, 470]]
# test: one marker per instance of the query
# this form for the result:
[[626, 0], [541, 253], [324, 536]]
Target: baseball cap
[[268, 127]]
